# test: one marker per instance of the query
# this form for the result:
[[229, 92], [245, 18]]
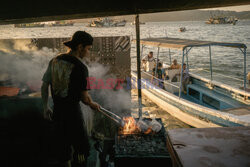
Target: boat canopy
[[181, 44], [186, 45]]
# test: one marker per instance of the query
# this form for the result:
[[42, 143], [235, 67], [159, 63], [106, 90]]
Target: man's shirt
[[67, 76], [146, 58], [177, 66], [185, 74]]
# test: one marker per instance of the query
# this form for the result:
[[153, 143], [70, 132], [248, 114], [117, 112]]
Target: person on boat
[[175, 65], [248, 78], [185, 78], [247, 87], [67, 77], [159, 76], [173, 71], [148, 62]]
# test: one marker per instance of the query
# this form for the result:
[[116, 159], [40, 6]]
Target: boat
[[133, 23], [206, 103], [182, 29], [222, 20], [62, 23], [29, 25], [107, 22], [121, 23]]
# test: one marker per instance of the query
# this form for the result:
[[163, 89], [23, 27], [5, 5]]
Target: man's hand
[[86, 99], [95, 106], [48, 113]]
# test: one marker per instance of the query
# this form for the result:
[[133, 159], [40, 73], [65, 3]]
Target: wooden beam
[[46, 10]]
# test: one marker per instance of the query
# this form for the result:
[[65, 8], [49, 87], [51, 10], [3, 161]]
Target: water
[[227, 61]]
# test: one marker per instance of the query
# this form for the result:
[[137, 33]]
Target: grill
[[139, 149]]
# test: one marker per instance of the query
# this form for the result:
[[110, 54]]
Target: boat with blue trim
[[206, 102]]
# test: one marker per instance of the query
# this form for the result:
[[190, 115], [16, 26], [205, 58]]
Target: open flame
[[130, 125]]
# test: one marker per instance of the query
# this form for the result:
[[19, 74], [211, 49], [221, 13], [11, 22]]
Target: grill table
[[227, 146]]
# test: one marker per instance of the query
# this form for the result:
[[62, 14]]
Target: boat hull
[[189, 112]]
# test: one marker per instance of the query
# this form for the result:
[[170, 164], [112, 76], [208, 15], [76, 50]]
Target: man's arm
[[145, 59], [45, 92], [86, 99], [45, 96], [171, 67]]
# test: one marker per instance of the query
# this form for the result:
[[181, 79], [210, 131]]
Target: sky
[[233, 8]]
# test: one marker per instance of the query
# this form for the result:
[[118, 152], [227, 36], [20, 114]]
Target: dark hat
[[79, 37]]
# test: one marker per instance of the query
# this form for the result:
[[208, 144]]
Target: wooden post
[[137, 28]]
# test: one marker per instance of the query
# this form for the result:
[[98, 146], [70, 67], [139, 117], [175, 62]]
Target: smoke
[[115, 100], [22, 63]]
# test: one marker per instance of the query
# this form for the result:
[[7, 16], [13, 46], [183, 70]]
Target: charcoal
[[147, 150], [140, 144]]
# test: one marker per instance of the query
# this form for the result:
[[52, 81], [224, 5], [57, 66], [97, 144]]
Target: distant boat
[[133, 23], [182, 29], [62, 23], [222, 20], [120, 23], [29, 25], [107, 22]]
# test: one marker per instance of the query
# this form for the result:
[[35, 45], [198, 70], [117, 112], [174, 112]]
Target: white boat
[[207, 103], [222, 20], [182, 29], [121, 23], [133, 23], [107, 22]]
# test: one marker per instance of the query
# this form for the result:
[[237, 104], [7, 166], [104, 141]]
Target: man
[[247, 87], [175, 65], [248, 78], [173, 71], [67, 77], [159, 76], [185, 78], [149, 57], [148, 62]]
